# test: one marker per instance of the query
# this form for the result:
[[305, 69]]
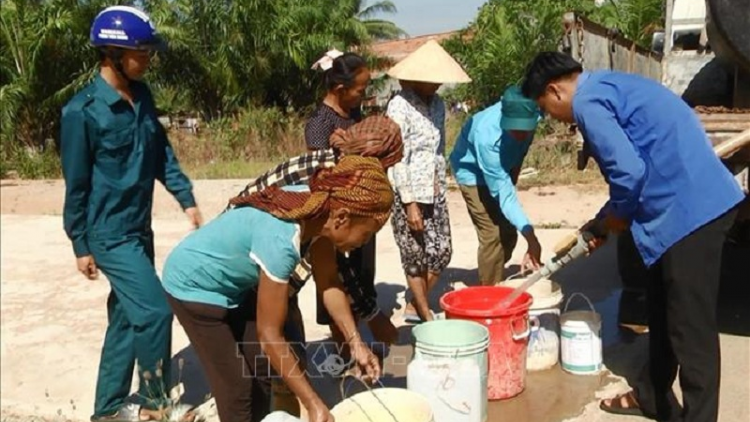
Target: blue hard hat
[[125, 27]]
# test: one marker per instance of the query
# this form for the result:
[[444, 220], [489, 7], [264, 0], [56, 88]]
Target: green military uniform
[[112, 154]]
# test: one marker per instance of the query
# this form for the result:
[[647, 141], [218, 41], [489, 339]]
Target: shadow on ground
[[191, 376], [550, 395]]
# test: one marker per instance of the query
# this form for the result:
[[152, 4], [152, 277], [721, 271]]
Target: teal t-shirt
[[218, 263]]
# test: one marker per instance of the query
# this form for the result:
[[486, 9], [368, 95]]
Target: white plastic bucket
[[449, 369], [544, 318], [280, 416], [581, 344], [384, 405]]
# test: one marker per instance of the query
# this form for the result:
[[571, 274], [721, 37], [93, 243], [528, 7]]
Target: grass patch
[[561, 177], [257, 139], [32, 163], [553, 154], [234, 169]]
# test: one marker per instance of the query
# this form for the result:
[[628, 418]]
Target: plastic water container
[[384, 405], [449, 369], [509, 333], [280, 416], [581, 339], [544, 317]]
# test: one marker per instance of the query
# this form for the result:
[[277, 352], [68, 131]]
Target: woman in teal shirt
[[256, 246]]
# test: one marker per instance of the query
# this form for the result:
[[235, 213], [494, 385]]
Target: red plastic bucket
[[509, 333]]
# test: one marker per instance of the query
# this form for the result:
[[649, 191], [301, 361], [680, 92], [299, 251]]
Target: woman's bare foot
[[165, 414]]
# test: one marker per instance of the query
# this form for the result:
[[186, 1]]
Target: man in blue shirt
[[668, 186], [113, 149], [486, 161]]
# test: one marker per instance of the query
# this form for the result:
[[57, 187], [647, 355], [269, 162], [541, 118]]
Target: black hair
[[343, 70], [545, 68]]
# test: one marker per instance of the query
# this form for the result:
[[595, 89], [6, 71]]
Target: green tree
[[378, 29], [507, 34], [636, 19], [43, 61], [224, 55]]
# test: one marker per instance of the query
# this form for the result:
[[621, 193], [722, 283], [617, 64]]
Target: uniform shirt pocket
[[113, 152], [116, 143]]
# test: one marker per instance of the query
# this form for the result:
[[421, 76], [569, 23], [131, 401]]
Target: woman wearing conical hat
[[420, 220]]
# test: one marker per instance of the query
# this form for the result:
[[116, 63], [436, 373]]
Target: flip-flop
[[616, 407], [416, 319], [412, 319]]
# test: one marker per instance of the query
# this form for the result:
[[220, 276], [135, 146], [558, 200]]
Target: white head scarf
[[326, 61]]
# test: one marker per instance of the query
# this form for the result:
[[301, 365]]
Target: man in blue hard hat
[[113, 149], [486, 162]]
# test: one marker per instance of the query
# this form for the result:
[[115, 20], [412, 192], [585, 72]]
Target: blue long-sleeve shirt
[[652, 149], [112, 153], [486, 155]]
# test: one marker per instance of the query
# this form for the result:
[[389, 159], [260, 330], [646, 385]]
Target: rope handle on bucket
[[344, 390], [591, 306], [462, 407]]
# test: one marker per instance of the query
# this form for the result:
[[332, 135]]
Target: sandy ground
[[53, 320]]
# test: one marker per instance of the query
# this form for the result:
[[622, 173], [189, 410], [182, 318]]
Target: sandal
[[623, 404], [414, 318]]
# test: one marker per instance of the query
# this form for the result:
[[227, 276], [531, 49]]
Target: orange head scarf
[[356, 183]]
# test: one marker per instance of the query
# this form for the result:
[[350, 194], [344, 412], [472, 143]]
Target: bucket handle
[[534, 323], [343, 392], [524, 334], [591, 306]]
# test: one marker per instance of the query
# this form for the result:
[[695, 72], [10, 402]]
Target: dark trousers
[[360, 265], [683, 289], [139, 324], [633, 307], [227, 345]]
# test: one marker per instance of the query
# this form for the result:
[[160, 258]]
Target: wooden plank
[[725, 117], [726, 126]]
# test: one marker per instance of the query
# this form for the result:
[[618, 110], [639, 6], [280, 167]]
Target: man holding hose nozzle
[[668, 187]]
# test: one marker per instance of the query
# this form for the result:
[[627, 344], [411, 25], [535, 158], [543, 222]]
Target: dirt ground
[[53, 320]]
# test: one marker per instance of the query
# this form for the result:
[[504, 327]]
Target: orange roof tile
[[396, 50]]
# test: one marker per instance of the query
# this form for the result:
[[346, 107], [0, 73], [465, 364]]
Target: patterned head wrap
[[356, 183], [374, 136]]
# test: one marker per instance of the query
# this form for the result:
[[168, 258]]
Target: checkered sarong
[[295, 171]]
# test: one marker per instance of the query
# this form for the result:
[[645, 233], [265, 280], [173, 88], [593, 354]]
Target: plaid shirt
[[294, 171], [299, 170]]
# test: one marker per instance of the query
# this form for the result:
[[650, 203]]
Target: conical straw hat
[[429, 63]]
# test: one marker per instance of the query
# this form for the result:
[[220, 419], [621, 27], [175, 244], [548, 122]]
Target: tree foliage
[[507, 34], [223, 55]]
